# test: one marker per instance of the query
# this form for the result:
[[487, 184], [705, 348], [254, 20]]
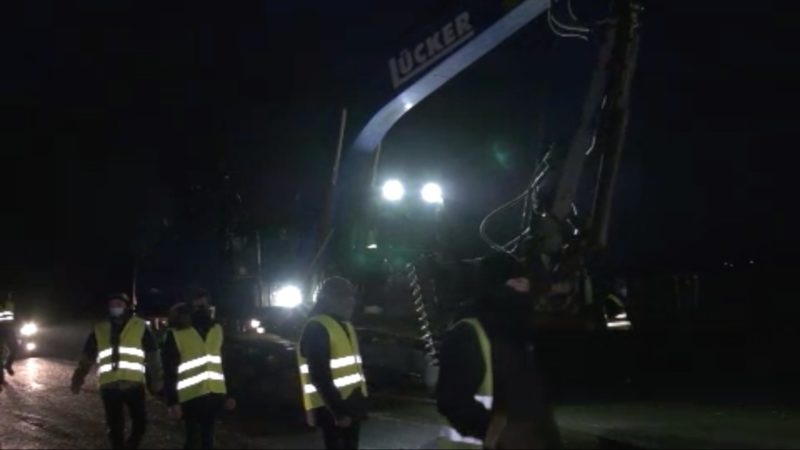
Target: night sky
[[140, 128]]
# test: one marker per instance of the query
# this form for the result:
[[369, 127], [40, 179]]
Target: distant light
[[621, 316], [752, 262], [260, 330], [30, 346], [29, 329], [372, 246], [287, 297], [393, 191], [255, 323], [432, 193]]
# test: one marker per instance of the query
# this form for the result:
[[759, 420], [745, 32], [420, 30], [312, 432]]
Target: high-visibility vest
[[449, 437], [6, 311], [619, 320], [130, 366], [200, 370], [345, 363]]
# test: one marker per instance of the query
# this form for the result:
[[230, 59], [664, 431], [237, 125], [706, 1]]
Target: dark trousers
[[8, 338], [200, 417], [335, 437], [115, 401]]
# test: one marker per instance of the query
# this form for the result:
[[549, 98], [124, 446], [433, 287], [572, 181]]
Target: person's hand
[[175, 412], [230, 404], [344, 422], [519, 284], [157, 388]]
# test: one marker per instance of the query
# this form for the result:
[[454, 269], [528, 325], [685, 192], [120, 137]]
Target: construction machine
[[415, 278]]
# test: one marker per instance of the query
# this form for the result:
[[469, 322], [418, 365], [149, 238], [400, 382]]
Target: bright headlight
[[29, 329], [287, 297], [393, 191], [255, 324], [432, 193]]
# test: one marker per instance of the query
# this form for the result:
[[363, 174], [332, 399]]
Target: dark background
[[150, 130]]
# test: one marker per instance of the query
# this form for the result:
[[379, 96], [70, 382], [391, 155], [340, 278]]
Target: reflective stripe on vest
[[200, 371], [6, 311], [449, 437], [337, 363], [198, 362], [130, 366], [345, 363]]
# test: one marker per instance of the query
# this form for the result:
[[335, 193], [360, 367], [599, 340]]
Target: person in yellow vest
[[615, 310], [487, 371], [194, 374], [334, 388], [126, 353], [8, 337]]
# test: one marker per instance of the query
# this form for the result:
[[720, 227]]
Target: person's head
[[199, 300], [119, 304], [180, 316], [621, 287], [336, 297]]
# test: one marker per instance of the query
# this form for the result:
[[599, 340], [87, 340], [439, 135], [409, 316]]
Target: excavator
[[429, 285]]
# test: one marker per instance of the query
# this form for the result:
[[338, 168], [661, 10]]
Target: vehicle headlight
[[393, 191], [29, 329], [287, 297], [255, 324], [432, 193]]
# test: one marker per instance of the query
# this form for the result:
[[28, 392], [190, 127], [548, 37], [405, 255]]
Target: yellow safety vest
[[346, 369], [449, 437], [131, 354], [200, 370], [6, 311]]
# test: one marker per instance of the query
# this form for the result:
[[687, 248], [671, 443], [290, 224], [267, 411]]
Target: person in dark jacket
[[201, 402], [8, 338], [126, 351], [495, 343], [335, 391]]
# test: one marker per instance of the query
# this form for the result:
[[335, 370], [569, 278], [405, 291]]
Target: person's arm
[[229, 376], [170, 360], [153, 361], [461, 373], [88, 357], [315, 347]]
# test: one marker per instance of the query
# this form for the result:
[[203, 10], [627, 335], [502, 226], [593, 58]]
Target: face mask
[[116, 312]]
